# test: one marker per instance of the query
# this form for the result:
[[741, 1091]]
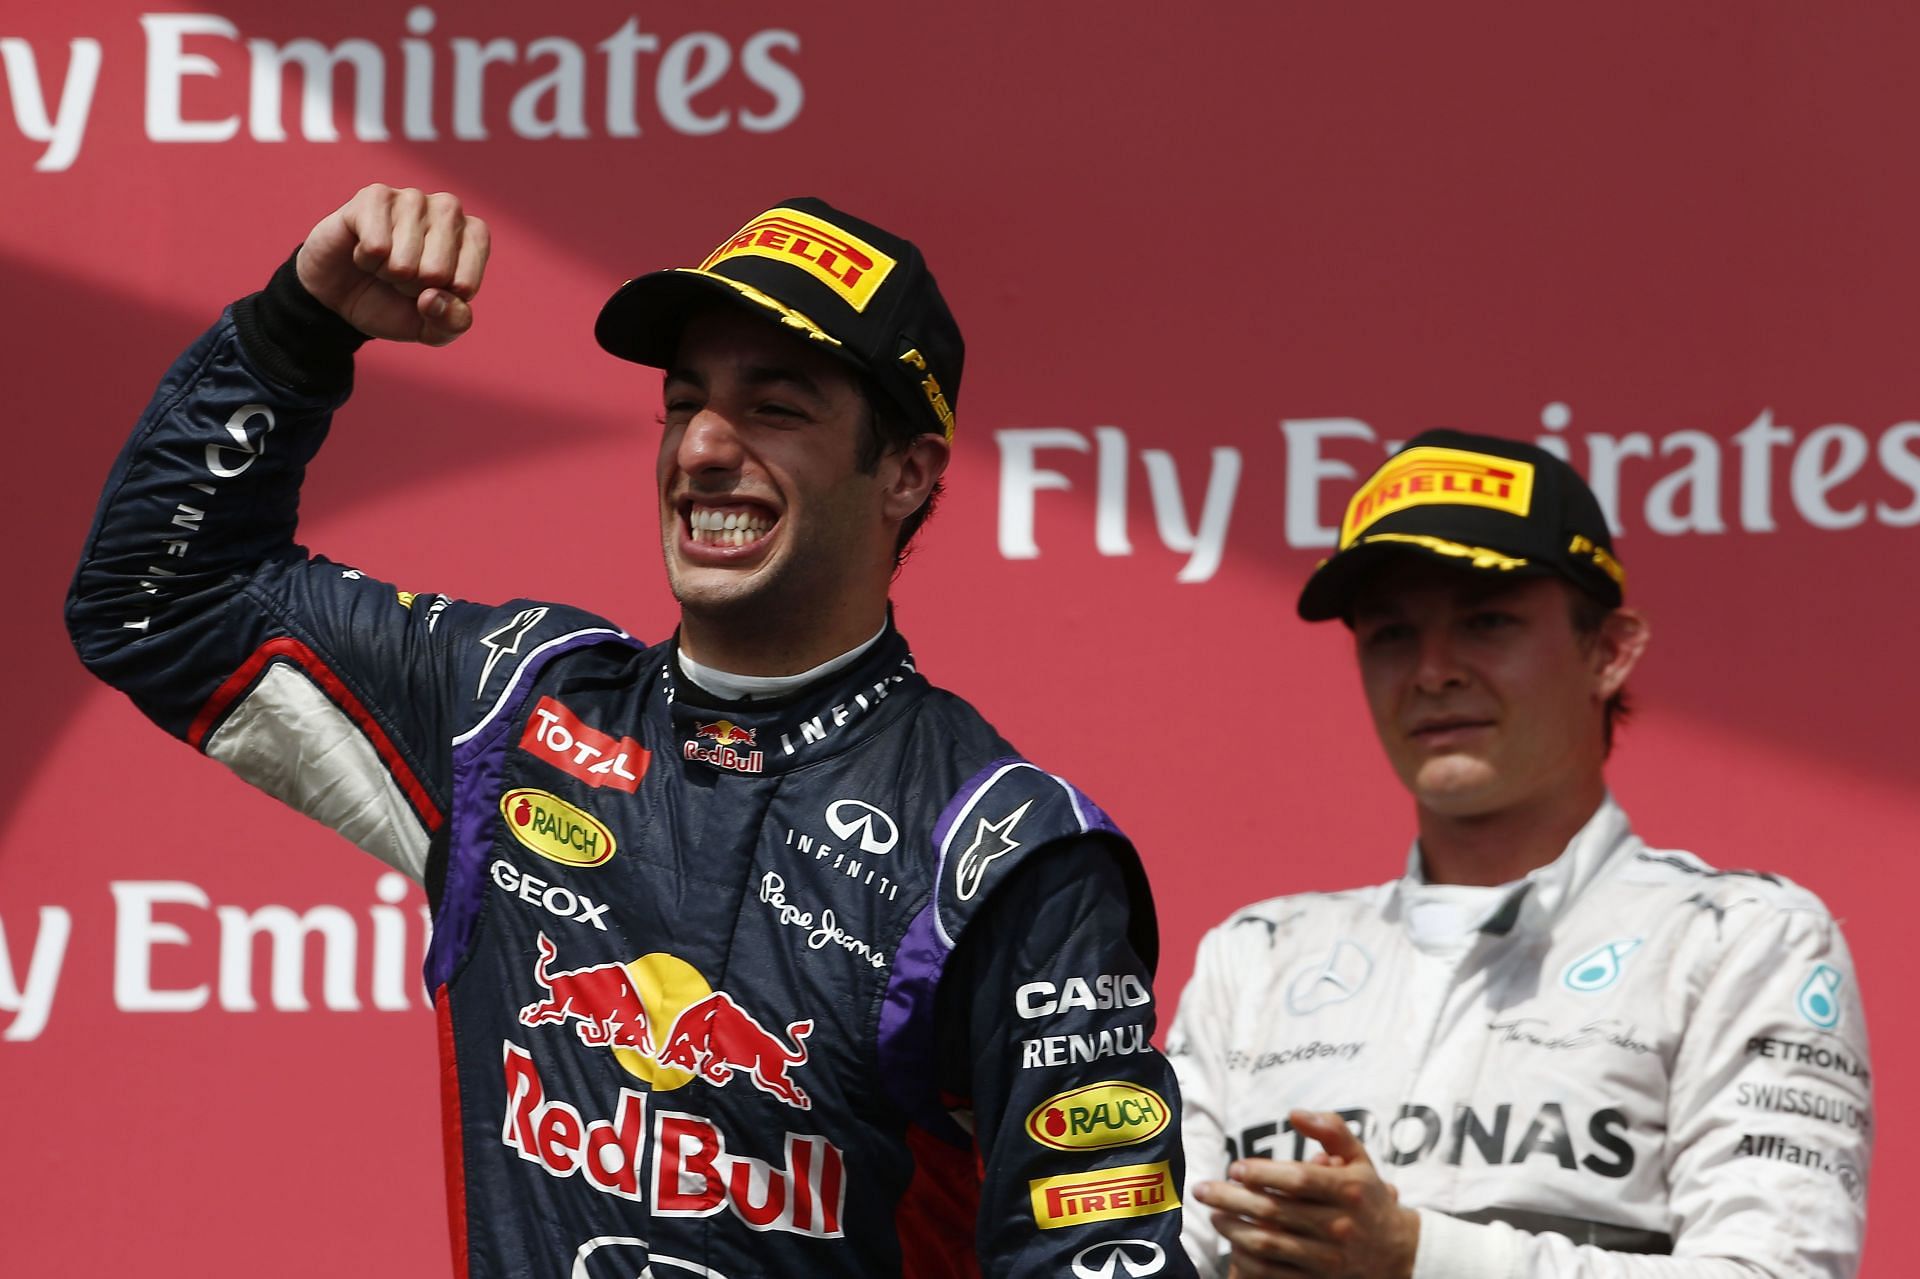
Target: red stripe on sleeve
[[321, 674]]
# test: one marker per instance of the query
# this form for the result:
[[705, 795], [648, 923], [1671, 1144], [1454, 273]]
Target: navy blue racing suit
[[836, 984]]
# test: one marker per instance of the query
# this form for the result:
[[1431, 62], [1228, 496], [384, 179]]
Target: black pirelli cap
[[862, 293], [1476, 501]]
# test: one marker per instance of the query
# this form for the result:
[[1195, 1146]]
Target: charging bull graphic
[[709, 1034], [717, 1036], [603, 997]]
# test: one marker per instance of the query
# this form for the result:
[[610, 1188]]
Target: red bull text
[[694, 1175], [728, 738]]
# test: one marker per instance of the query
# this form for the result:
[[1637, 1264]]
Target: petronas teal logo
[[1598, 970], [1819, 997]]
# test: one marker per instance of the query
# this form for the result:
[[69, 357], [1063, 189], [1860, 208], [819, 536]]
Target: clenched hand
[[398, 264]]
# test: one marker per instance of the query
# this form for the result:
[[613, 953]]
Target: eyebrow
[[758, 377]]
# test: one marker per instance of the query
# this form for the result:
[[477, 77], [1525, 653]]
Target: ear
[[1622, 639], [911, 474]]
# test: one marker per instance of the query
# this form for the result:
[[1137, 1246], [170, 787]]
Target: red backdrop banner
[[1212, 263]]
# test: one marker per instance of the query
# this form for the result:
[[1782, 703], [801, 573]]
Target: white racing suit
[[1627, 1064]]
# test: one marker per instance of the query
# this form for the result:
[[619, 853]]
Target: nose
[[709, 444], [1437, 666]]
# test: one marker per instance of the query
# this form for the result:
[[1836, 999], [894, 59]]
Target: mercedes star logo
[[1332, 980]]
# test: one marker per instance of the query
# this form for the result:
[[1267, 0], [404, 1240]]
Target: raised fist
[[398, 264]]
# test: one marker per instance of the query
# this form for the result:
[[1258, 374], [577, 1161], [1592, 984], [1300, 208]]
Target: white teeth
[[726, 528]]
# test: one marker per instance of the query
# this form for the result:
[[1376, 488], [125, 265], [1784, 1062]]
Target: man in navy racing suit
[[754, 953], [1547, 1049]]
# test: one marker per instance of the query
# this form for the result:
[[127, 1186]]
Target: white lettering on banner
[[317, 65], [138, 932], [67, 125], [168, 64], [289, 932], [1837, 477], [1021, 477], [700, 87], [31, 1000], [1306, 470]]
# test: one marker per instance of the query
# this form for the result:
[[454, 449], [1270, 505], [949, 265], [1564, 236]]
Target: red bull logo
[[728, 739], [725, 732], [694, 1174], [706, 1032]]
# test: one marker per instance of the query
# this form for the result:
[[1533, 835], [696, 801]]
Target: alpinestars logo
[[506, 640], [991, 841]]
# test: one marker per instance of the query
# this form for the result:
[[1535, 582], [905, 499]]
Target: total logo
[[1098, 1116], [555, 829], [556, 735], [727, 751], [694, 1174], [618, 1005]]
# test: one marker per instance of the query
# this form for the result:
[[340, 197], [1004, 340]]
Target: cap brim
[[642, 321], [1329, 592]]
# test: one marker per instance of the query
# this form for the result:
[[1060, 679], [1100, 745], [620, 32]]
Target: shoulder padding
[[1005, 813], [512, 643]]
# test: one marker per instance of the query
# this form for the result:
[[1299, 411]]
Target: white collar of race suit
[[1532, 903], [738, 688]]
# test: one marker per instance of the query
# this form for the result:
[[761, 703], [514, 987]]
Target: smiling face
[[1485, 697], [777, 544]]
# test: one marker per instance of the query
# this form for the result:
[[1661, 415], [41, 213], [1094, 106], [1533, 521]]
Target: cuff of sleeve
[[1454, 1249], [294, 339]]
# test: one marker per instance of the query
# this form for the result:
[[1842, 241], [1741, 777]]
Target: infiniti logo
[[617, 1258], [1133, 1257], [877, 832]]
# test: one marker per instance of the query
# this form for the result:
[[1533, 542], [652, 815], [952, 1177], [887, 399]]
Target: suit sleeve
[[1197, 1046], [1074, 1113], [311, 680], [1769, 1129]]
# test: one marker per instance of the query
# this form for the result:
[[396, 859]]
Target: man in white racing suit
[[1547, 1049]]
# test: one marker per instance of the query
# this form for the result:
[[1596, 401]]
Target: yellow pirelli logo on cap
[[838, 259], [1429, 476], [1132, 1190]]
